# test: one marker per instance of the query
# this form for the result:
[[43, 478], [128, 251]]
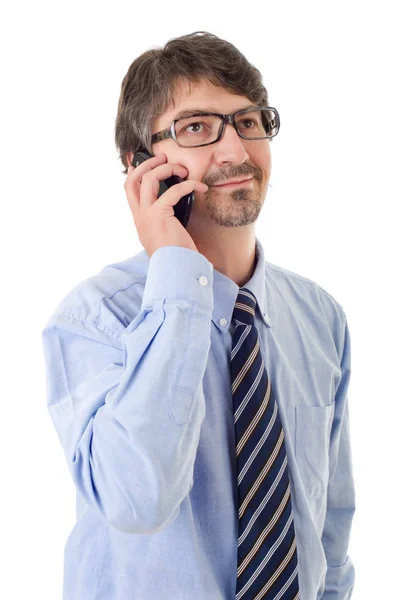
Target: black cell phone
[[183, 208]]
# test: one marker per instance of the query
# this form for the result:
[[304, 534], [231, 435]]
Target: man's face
[[230, 158]]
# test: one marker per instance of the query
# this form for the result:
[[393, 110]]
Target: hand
[[154, 217]]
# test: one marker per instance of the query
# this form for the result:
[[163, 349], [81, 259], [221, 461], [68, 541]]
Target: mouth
[[235, 183]]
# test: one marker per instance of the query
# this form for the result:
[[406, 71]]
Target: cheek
[[199, 164], [266, 170], [195, 173]]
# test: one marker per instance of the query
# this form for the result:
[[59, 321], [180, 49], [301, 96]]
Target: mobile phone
[[183, 208]]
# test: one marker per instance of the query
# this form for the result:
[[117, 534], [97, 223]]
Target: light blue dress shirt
[[138, 389]]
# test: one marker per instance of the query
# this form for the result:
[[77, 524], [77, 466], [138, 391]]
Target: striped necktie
[[267, 561]]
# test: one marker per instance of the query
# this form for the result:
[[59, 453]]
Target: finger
[[145, 166], [132, 181], [175, 193], [151, 180], [132, 189], [129, 171]]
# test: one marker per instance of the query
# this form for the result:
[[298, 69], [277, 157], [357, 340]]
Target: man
[[200, 391]]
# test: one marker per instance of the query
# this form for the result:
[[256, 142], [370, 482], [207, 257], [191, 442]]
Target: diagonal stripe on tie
[[267, 560]]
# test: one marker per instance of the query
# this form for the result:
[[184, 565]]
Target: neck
[[232, 252]]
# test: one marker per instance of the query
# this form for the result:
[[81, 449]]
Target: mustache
[[232, 173]]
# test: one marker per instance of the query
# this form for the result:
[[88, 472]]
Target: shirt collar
[[226, 291]]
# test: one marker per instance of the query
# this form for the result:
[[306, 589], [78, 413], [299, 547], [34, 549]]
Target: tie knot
[[245, 307]]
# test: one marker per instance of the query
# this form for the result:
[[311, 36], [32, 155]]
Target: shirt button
[[203, 280], [223, 322]]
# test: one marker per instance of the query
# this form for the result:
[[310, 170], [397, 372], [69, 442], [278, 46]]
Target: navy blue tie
[[267, 561]]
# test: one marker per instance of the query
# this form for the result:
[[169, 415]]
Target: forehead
[[202, 95]]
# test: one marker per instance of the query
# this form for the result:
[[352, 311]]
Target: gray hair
[[148, 88]]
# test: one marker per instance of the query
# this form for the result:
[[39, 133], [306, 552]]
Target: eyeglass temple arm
[[162, 135], [274, 123]]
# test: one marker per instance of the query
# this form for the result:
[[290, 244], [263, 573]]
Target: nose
[[231, 147]]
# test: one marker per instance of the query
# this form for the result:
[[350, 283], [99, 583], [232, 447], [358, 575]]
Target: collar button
[[203, 280]]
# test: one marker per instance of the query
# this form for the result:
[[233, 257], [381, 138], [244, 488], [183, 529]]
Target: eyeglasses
[[258, 123]]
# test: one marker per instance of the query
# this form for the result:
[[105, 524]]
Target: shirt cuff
[[177, 272]]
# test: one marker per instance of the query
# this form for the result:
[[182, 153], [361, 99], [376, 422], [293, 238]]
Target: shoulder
[[307, 300], [109, 299], [301, 283]]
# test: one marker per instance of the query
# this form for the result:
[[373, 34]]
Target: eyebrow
[[188, 112]]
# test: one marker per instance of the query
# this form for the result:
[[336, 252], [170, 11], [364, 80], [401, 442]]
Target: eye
[[193, 125], [248, 121]]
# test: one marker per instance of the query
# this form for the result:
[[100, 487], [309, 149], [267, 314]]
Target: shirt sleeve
[[128, 409], [340, 576]]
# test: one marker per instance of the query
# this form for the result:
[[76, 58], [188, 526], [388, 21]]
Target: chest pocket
[[312, 438]]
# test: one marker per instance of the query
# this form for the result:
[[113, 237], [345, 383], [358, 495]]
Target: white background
[[337, 73]]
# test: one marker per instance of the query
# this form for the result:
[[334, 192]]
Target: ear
[[129, 157]]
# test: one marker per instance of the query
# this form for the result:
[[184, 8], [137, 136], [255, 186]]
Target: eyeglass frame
[[225, 120]]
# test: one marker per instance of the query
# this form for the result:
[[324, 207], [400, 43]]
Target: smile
[[227, 185]]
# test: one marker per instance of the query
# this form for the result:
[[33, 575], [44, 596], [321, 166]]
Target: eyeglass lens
[[204, 129]]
